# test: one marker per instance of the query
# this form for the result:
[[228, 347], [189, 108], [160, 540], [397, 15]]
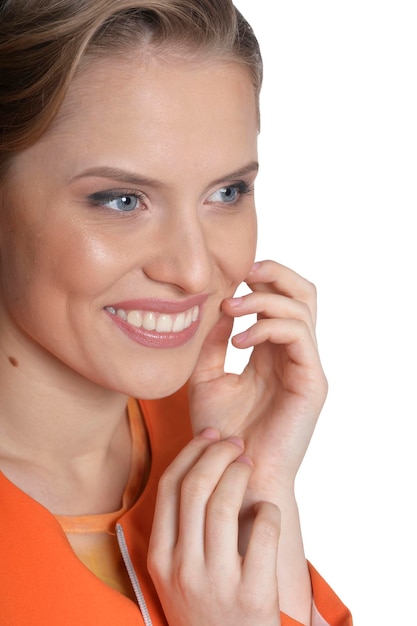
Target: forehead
[[160, 107], [163, 86]]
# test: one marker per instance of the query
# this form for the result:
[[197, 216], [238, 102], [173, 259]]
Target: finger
[[260, 562], [294, 334], [210, 363], [164, 534], [197, 488], [276, 278], [222, 520], [298, 362], [270, 306]]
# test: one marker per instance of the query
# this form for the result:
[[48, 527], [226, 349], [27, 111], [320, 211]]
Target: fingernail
[[235, 301], [241, 337], [244, 459], [211, 433], [237, 441], [256, 266]]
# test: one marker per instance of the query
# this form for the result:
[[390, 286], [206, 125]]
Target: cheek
[[85, 262], [55, 264], [87, 253]]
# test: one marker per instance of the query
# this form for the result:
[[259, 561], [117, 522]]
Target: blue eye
[[123, 202], [230, 194]]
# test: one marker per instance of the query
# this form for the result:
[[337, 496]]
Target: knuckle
[[168, 482], [152, 564], [194, 486], [319, 385], [301, 328], [268, 531], [268, 524], [155, 566], [186, 580], [226, 501], [221, 509], [324, 385], [305, 310], [311, 290]]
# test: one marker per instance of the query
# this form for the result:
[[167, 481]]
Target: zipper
[[121, 540]]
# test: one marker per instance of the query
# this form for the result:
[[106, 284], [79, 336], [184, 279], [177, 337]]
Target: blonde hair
[[43, 43]]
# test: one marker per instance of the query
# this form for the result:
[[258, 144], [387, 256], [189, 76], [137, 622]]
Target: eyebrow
[[126, 176]]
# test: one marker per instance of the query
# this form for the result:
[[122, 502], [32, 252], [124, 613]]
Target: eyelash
[[102, 198], [241, 187]]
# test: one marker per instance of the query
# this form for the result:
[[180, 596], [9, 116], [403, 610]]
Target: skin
[[63, 259]]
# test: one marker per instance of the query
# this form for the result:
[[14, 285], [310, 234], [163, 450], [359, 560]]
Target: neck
[[63, 440], [60, 422]]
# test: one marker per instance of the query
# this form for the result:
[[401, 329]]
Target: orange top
[[42, 581], [93, 537]]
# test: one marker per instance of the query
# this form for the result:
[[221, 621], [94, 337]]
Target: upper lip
[[160, 305]]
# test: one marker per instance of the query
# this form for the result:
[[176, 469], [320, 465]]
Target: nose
[[181, 255]]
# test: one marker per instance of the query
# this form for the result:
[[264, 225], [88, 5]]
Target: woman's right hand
[[194, 559]]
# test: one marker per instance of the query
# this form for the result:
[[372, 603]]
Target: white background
[[337, 200]]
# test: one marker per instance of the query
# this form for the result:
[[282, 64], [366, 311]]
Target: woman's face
[[127, 224]]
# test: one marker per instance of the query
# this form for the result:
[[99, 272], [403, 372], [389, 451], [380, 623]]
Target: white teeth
[[178, 323], [149, 321], [133, 317], [188, 319], [161, 322], [164, 324], [121, 314]]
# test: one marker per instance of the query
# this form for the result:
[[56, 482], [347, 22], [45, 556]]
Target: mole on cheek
[[13, 361]]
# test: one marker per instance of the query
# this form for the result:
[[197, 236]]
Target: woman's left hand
[[275, 402]]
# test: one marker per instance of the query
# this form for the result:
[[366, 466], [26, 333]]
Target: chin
[[152, 385]]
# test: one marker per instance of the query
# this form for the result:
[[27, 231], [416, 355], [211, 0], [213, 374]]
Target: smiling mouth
[[156, 321]]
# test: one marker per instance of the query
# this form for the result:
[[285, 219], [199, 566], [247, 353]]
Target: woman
[[128, 161]]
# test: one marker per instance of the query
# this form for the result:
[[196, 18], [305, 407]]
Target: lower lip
[[153, 339]]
